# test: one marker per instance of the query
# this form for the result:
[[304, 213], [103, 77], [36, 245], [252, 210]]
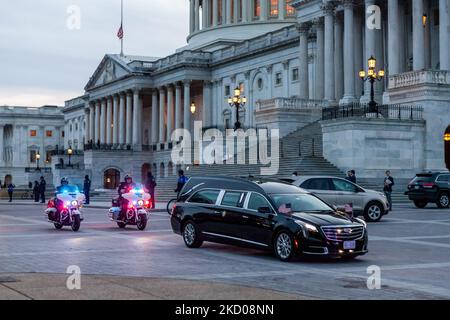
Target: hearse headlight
[[307, 226], [362, 222]]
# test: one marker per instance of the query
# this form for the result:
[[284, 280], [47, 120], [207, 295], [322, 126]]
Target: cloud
[[40, 54]]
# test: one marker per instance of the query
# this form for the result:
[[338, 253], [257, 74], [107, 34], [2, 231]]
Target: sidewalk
[[160, 206], [53, 287]]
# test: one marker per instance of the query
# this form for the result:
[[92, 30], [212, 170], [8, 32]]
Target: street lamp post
[[372, 75], [70, 152], [38, 157], [237, 101]]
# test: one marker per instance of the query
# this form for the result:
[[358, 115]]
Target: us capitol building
[[297, 62]]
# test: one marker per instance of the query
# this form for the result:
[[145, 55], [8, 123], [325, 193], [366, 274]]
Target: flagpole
[[121, 23]]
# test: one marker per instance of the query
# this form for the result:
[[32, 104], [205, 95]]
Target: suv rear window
[[422, 178]]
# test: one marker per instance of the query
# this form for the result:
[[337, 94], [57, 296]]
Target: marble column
[[329, 89], [229, 11], [245, 11], [115, 127], [122, 120], [207, 104], [178, 107], [170, 112], [109, 111], [204, 14], [87, 132], [197, 15], [2, 146], [129, 126], [281, 9], [286, 83], [418, 35], [187, 104], [444, 34], [92, 122], [103, 122], [304, 66], [393, 37], [338, 57], [264, 11], [155, 119], [97, 123], [349, 53], [162, 114], [320, 70], [137, 120], [191, 16], [215, 11], [359, 52], [236, 11]]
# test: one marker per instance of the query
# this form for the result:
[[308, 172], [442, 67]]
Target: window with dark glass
[[257, 201], [342, 185], [278, 79], [205, 197], [295, 74], [33, 156], [233, 199], [317, 184]]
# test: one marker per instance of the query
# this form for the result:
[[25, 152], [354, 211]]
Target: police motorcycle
[[133, 209], [64, 210]]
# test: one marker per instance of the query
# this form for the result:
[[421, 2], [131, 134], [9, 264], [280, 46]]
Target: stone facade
[[290, 66], [25, 133]]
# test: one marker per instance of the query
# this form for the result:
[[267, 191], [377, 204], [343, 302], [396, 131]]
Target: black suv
[[265, 214], [431, 187]]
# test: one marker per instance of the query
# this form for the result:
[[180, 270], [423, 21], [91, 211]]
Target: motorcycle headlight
[[141, 203], [74, 203]]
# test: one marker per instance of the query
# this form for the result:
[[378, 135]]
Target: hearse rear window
[[233, 199], [205, 197]]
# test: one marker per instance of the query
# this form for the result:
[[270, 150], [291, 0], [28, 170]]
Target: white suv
[[339, 192]]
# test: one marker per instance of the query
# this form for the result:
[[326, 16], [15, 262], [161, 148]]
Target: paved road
[[412, 247]]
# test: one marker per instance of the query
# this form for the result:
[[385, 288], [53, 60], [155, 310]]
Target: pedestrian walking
[[150, 185], [87, 189], [11, 188], [388, 184], [42, 189], [36, 191]]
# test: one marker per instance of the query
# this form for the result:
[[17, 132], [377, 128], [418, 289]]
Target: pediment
[[109, 70]]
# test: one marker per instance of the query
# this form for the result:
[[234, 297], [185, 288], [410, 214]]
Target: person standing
[[388, 184], [11, 191], [150, 185], [87, 189], [42, 189], [182, 180], [36, 191]]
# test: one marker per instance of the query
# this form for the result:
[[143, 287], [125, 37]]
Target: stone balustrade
[[291, 103], [408, 79]]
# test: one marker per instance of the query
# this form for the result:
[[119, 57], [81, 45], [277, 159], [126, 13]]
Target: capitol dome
[[218, 23]]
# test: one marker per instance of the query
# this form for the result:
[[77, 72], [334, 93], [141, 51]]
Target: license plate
[[349, 245], [417, 187]]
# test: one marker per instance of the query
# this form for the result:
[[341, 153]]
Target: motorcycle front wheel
[[142, 223], [58, 226], [76, 223]]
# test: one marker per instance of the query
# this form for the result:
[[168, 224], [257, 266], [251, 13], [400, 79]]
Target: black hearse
[[265, 214]]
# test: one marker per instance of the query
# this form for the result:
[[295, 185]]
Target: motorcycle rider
[[57, 204], [125, 187]]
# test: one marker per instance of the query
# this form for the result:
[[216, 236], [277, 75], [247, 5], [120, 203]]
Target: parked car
[[373, 205], [430, 187], [265, 214]]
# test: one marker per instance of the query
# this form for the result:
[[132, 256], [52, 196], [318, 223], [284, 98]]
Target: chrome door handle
[[245, 217]]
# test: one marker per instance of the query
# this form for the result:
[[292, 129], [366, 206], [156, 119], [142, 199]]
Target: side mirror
[[265, 210]]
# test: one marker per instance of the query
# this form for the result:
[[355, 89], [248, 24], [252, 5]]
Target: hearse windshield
[[290, 203]]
